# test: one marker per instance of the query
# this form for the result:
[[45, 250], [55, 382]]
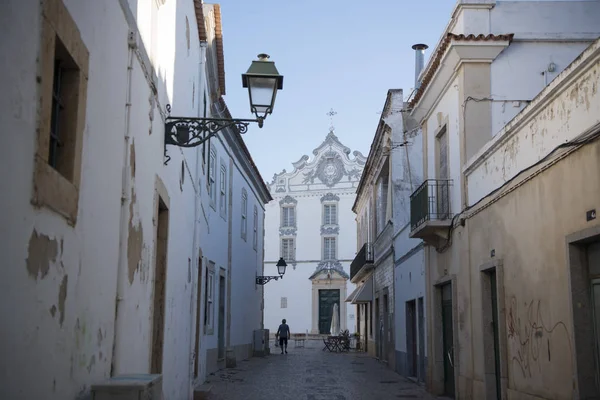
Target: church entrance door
[[327, 298]]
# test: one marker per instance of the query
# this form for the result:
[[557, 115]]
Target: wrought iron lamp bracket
[[192, 131], [262, 280]]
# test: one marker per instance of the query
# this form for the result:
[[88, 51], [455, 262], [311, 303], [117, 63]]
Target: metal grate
[[431, 201]]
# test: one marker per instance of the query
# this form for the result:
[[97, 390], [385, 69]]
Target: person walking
[[283, 333]]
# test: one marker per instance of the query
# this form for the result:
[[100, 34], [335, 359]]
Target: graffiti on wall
[[531, 339]]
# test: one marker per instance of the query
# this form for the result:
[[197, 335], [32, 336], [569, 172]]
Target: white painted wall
[[448, 106], [72, 348], [409, 284], [296, 285], [555, 117], [247, 262], [517, 75], [544, 33]]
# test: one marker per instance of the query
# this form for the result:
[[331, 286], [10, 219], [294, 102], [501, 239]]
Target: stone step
[[202, 392]]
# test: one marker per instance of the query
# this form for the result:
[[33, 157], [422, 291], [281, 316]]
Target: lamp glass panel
[[262, 92]]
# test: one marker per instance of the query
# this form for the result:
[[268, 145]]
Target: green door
[[496, 334], [596, 315], [448, 340], [327, 298]]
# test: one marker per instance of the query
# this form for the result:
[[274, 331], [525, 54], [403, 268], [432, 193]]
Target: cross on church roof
[[331, 114]]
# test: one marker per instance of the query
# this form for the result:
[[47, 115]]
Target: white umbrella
[[335, 321]]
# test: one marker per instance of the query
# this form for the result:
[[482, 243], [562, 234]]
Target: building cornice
[[236, 143], [376, 154], [456, 49]]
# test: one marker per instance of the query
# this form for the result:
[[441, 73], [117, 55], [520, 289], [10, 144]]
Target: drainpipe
[[197, 199], [125, 190]]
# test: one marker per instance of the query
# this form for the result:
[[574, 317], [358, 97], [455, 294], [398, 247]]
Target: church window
[[330, 214], [288, 216], [329, 248], [287, 249], [284, 302]]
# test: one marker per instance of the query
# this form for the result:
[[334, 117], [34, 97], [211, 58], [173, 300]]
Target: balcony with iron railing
[[430, 210], [362, 263]]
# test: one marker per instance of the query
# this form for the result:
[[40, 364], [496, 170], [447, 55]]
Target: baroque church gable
[[331, 166]]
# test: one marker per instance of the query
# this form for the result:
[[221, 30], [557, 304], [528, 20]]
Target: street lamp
[[262, 80], [281, 265]]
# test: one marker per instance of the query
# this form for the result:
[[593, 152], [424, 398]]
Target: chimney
[[419, 61]]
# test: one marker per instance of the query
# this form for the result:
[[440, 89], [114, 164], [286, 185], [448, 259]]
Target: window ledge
[[54, 191]]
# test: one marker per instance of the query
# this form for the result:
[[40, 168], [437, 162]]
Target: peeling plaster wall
[[527, 231], [528, 234], [57, 290], [517, 75], [563, 116], [62, 281]]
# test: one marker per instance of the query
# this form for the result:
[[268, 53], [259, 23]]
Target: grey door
[[421, 324], [496, 333], [596, 305], [411, 338], [221, 317], [448, 340]]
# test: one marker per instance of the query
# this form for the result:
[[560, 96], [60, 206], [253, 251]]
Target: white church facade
[[311, 225]]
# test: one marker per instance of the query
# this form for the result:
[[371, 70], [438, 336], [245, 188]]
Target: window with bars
[[284, 302], [288, 216], [57, 109], [255, 240], [330, 214], [212, 176], [287, 249], [244, 214], [223, 193], [329, 248]]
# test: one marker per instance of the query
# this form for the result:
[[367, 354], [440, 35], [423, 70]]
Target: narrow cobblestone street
[[312, 374]]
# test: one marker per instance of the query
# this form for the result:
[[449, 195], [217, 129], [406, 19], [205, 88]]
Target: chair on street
[[329, 345]]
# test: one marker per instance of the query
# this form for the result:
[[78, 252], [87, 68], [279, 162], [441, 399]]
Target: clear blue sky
[[335, 54]]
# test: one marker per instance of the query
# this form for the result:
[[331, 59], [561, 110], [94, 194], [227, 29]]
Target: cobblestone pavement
[[312, 374]]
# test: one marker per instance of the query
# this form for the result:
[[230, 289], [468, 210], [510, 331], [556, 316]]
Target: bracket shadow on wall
[[262, 80]]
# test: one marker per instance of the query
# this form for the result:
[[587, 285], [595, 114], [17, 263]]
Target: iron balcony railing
[[364, 256], [431, 201]]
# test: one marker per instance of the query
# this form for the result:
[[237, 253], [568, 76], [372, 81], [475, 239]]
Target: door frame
[[222, 321], [489, 363], [319, 307], [580, 304], [411, 333], [437, 378]]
